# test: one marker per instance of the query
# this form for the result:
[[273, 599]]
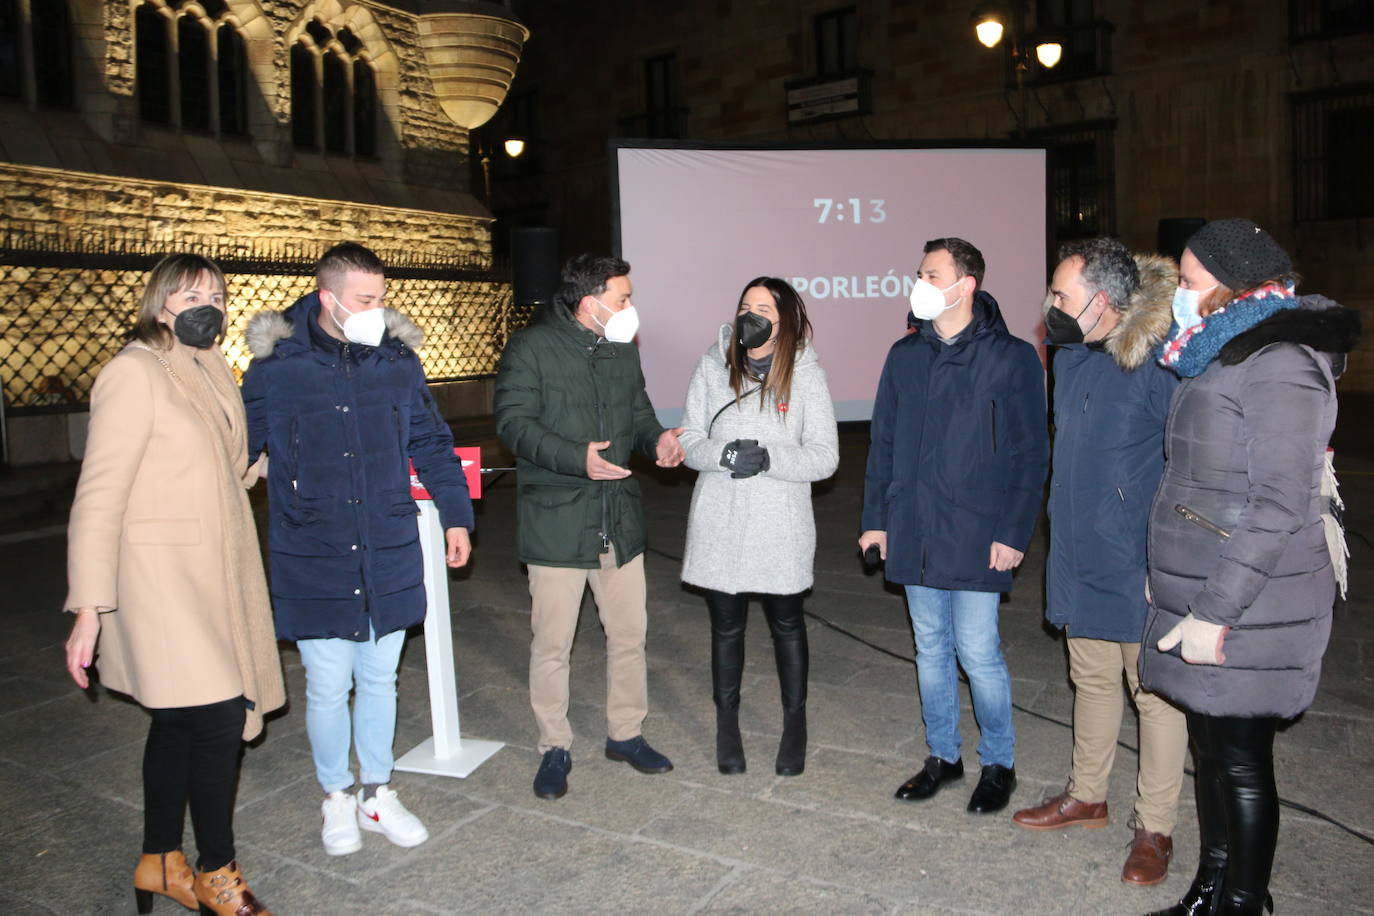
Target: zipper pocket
[[295, 452], [994, 427], [1201, 521]]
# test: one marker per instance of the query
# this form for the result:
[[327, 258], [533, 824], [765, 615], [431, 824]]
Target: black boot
[[1203, 894], [792, 749], [790, 652], [728, 614], [729, 745], [1245, 903]]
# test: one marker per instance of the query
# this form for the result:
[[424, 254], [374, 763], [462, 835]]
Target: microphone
[[872, 558]]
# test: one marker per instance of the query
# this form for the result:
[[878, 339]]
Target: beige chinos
[[1095, 667], [621, 596]]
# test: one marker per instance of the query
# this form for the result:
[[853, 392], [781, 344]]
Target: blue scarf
[[1190, 353]]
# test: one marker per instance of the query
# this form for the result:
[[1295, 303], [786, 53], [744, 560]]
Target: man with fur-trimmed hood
[[1107, 312], [337, 398]]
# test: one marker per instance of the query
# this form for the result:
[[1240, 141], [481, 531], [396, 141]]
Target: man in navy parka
[[337, 399], [1107, 312], [956, 467]]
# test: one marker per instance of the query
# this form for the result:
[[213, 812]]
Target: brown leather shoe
[[1148, 861], [165, 873], [1063, 810], [223, 893]]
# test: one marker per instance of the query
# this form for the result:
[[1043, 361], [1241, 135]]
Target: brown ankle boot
[[223, 892], [166, 873]]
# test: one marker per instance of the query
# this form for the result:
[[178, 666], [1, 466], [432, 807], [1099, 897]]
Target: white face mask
[[621, 327], [1185, 306], [927, 301], [365, 328]]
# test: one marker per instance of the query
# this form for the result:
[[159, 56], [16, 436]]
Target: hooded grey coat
[[757, 534], [1245, 443]]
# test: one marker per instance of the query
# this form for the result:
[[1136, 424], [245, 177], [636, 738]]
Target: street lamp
[[513, 146], [991, 20]]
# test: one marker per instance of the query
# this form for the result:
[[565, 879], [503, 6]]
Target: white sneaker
[[340, 831], [386, 815]]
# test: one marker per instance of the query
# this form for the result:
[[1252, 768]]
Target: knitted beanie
[[1239, 253]]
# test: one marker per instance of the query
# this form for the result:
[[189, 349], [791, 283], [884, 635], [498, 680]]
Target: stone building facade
[[1160, 108], [257, 131]]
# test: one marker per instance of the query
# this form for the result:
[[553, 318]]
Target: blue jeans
[[332, 668], [956, 628]]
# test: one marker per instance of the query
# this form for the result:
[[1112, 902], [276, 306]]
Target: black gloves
[[744, 458]]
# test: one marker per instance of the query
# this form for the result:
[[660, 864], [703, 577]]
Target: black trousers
[[729, 614], [1237, 801], [192, 755]]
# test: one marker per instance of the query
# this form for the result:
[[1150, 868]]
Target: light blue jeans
[[332, 668], [956, 628]]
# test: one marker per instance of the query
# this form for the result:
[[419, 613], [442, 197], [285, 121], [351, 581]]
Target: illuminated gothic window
[[335, 104], [332, 75], [52, 53], [152, 74], [36, 51], [232, 77], [11, 76], [364, 109], [303, 85], [208, 57], [193, 56]]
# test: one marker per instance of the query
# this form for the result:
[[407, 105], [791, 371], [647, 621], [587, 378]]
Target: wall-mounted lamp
[[513, 147], [993, 19], [1049, 53]]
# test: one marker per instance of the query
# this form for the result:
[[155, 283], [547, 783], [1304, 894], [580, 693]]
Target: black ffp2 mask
[[752, 331], [1061, 327], [199, 326]]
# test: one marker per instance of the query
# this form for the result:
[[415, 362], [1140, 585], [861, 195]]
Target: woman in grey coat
[[759, 427], [1240, 578]]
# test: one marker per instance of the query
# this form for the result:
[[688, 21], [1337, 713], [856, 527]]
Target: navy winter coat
[[338, 421], [1109, 410], [958, 453]]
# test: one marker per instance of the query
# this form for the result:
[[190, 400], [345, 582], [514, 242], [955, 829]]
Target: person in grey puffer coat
[[759, 428], [1240, 576]]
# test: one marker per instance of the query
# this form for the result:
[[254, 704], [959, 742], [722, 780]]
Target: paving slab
[[832, 840]]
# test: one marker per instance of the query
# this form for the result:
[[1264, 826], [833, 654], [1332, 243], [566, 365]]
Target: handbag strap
[[711, 425], [157, 356]]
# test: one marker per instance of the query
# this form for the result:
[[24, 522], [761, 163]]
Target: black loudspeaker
[[1174, 232], [534, 264]]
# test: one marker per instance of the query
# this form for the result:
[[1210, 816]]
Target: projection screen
[[845, 226]]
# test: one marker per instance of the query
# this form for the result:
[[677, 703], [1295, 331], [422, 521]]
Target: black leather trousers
[[1237, 803], [729, 613]]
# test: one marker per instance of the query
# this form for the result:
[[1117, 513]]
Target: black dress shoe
[[994, 790], [926, 783]]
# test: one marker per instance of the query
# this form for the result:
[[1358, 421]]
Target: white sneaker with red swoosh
[[386, 815]]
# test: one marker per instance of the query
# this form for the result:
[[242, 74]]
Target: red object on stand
[[471, 456]]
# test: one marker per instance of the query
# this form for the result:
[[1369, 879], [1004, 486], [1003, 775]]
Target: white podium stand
[[445, 753]]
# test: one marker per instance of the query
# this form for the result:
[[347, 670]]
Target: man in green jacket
[[571, 405]]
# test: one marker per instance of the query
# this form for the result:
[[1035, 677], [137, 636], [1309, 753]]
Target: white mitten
[[1201, 641]]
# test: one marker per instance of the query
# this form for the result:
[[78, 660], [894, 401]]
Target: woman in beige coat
[[164, 572]]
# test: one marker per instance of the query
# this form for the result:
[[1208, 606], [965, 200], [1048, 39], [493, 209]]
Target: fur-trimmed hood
[[268, 328], [1318, 322], [1149, 314]]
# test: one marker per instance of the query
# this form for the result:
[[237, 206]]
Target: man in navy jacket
[[956, 467], [337, 398], [1108, 312]]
